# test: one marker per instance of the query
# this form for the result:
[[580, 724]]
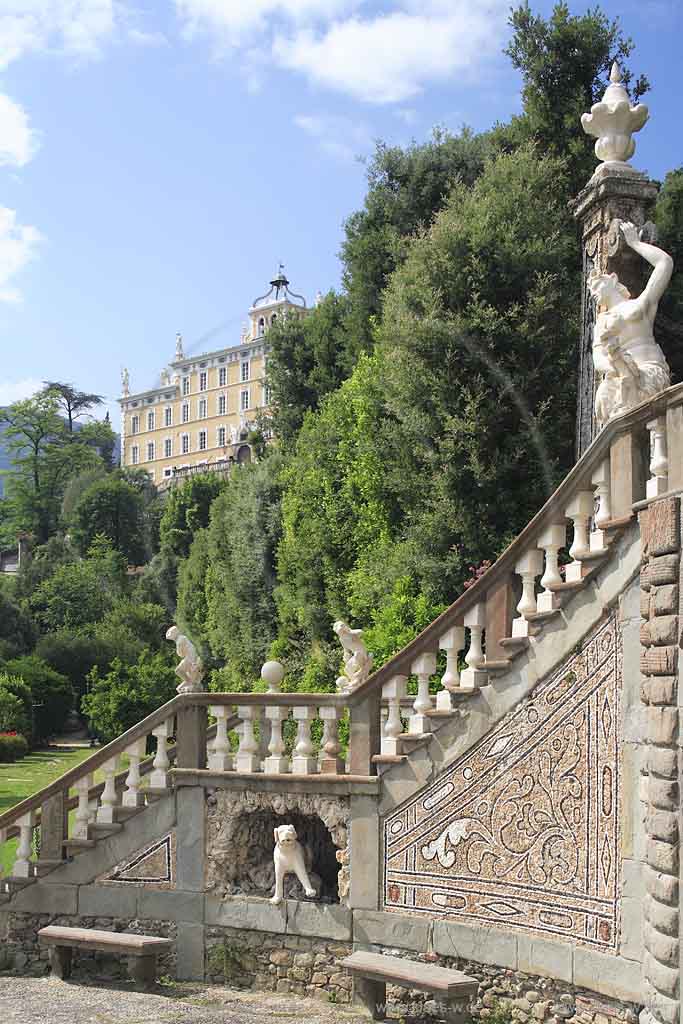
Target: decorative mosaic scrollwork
[[523, 830]]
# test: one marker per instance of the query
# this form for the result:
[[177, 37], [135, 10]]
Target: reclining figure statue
[[628, 361]]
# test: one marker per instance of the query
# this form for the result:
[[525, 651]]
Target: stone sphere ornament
[[273, 673], [613, 121]]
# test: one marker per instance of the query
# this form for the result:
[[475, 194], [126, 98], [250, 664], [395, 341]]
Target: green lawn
[[27, 776]]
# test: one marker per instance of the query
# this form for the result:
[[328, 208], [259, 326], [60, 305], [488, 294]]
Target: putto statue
[[125, 382], [627, 359], [190, 670], [613, 120], [357, 661], [288, 858]]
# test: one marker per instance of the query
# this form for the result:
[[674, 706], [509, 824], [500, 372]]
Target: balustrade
[[84, 814], [393, 692], [602, 504], [132, 796], [247, 757], [550, 541], [473, 676], [220, 757], [580, 511], [276, 763], [452, 643], [159, 776], [529, 566], [303, 761], [23, 864], [109, 801], [659, 462], [423, 667], [330, 761]]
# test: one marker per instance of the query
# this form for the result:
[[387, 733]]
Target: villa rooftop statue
[[613, 120]]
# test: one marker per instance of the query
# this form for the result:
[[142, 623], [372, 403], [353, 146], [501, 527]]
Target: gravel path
[[46, 1001]]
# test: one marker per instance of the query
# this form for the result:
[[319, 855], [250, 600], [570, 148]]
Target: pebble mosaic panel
[[523, 830], [153, 866]]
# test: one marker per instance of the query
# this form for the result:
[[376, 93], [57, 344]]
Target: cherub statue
[[190, 669], [629, 362], [125, 382], [357, 661]]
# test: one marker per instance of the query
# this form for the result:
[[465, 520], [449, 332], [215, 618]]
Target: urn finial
[[613, 121]]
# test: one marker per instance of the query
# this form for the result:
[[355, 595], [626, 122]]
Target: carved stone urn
[[613, 121]]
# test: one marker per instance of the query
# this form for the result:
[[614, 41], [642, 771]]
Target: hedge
[[12, 747]]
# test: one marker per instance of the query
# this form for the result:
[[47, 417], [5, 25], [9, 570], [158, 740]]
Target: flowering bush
[[12, 747]]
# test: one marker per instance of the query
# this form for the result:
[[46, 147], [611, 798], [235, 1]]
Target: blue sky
[[158, 158]]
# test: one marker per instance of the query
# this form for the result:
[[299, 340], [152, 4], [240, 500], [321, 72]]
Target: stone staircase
[[491, 635]]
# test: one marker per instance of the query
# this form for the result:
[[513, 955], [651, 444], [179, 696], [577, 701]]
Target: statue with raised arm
[[628, 361], [357, 660], [125, 382], [190, 669]]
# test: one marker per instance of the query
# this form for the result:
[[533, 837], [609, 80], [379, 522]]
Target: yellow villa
[[205, 406]]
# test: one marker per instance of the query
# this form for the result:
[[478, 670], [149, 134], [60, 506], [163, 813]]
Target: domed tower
[[277, 302]]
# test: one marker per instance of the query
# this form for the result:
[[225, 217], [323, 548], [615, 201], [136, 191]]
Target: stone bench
[[141, 950], [372, 971]]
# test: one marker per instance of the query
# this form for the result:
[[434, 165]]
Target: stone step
[[102, 831], [14, 884], [44, 866], [75, 846], [515, 643], [389, 758]]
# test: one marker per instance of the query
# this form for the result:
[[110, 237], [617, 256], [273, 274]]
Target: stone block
[[662, 724], [662, 825], [663, 630], [108, 900], [42, 898], [171, 906], [664, 599], [486, 945], [658, 690], [239, 912], [663, 793], [661, 571], [663, 888], [661, 977], [662, 762], [662, 856], [542, 957], [664, 948], [646, 604], [607, 975], [322, 920], [662, 917], [388, 929], [659, 661], [190, 952], [663, 531], [631, 945], [364, 848], [665, 1009], [190, 838]]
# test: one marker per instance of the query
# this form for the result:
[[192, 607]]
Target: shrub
[[12, 747], [128, 693], [16, 706], [52, 694]]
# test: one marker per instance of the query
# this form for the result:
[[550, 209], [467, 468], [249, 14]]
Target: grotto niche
[[240, 843]]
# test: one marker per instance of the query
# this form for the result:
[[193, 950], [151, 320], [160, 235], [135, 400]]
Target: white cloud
[[18, 390], [77, 28], [339, 137], [232, 23], [147, 39], [18, 143], [391, 57], [18, 244]]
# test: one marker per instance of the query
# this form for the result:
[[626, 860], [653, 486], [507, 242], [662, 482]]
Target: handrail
[[92, 763], [291, 700], [580, 473]]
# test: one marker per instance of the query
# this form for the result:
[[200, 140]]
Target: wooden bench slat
[[92, 938], [410, 974]]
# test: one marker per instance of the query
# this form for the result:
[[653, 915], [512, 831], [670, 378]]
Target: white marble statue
[[190, 669], [613, 121], [629, 363], [125, 382], [288, 858], [179, 354], [234, 433], [165, 377], [357, 661]]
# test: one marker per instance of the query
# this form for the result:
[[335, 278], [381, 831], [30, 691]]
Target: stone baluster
[[452, 643], [106, 812], [423, 667], [602, 507], [474, 675], [23, 865], [659, 462], [529, 566], [393, 691], [580, 511], [303, 761], [83, 812], [276, 763], [247, 758], [330, 761], [132, 796], [550, 541], [220, 757], [159, 775]]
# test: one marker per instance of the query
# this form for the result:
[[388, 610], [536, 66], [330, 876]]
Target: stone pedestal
[[617, 193]]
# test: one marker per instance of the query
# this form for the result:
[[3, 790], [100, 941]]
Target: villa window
[[168, 416], [135, 455], [202, 440], [202, 409], [150, 451], [244, 399], [135, 424], [186, 412], [245, 370], [185, 443], [168, 448], [221, 437], [222, 376], [261, 327], [186, 385], [222, 405], [150, 421], [203, 380]]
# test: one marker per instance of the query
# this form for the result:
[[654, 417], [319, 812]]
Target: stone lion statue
[[629, 363], [288, 858]]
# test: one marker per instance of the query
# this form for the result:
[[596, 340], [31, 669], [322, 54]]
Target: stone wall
[[660, 606]]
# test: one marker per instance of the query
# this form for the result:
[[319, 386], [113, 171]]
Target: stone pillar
[[660, 526], [612, 195]]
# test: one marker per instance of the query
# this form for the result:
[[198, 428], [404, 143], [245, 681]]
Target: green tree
[[112, 508], [126, 694], [187, 510], [16, 705], [51, 693], [16, 628], [669, 217], [80, 592], [73, 404]]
